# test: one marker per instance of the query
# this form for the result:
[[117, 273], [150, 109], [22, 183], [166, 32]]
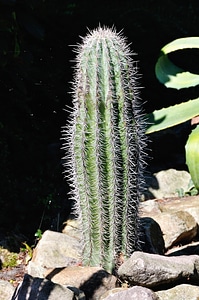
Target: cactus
[[104, 143]]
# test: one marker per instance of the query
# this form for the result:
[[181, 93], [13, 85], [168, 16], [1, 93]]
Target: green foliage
[[190, 191], [38, 234], [172, 115], [171, 75], [29, 251], [192, 155], [105, 140], [9, 259], [174, 77]]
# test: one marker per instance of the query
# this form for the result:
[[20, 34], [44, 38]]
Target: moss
[[8, 259]]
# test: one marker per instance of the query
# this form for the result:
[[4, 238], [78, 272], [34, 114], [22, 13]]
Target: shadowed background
[[36, 69]]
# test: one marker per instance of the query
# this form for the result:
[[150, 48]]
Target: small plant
[[8, 259], [38, 234], [190, 191], [28, 250], [104, 143], [192, 156], [174, 77]]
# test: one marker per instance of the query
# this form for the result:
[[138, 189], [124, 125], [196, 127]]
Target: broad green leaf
[[171, 75], [183, 43], [173, 115], [192, 156]]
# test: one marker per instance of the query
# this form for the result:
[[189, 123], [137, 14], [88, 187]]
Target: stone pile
[[166, 268]]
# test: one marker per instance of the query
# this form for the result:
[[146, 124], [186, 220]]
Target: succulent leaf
[[172, 115], [192, 156], [171, 75]]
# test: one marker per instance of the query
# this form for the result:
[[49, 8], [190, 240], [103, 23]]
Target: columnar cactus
[[104, 143]]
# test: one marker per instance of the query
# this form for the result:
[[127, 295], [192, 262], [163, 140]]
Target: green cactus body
[[104, 141]]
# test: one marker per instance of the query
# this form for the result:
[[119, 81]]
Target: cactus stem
[[104, 141]]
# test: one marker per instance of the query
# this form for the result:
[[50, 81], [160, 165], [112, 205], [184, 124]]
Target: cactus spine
[[104, 143]]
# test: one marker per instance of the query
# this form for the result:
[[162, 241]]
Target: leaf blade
[[171, 75], [173, 115]]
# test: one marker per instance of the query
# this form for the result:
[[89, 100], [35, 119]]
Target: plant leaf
[[171, 75], [192, 156], [173, 115]]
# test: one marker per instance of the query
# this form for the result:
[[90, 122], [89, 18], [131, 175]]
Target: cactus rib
[[104, 141]]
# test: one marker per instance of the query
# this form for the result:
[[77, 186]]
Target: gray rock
[[170, 221], [112, 292], [177, 227], [190, 204], [72, 228], [54, 250], [43, 289], [182, 291], [194, 211], [166, 183], [134, 293], [152, 270], [178, 218], [6, 290], [149, 208]]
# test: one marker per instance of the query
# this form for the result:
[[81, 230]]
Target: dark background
[[36, 69]]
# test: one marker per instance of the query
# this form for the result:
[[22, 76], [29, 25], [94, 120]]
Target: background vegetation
[[35, 73]]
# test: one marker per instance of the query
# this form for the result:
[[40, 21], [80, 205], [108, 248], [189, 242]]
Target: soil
[[15, 274]]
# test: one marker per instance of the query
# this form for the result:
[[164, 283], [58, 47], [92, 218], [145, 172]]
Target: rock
[[167, 183], [152, 270], [149, 208], [194, 211], [6, 290], [54, 250], [71, 228], [152, 207], [93, 281], [151, 236], [177, 227], [112, 292], [182, 291], [43, 289], [189, 249], [136, 292], [165, 225], [178, 218], [188, 204]]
